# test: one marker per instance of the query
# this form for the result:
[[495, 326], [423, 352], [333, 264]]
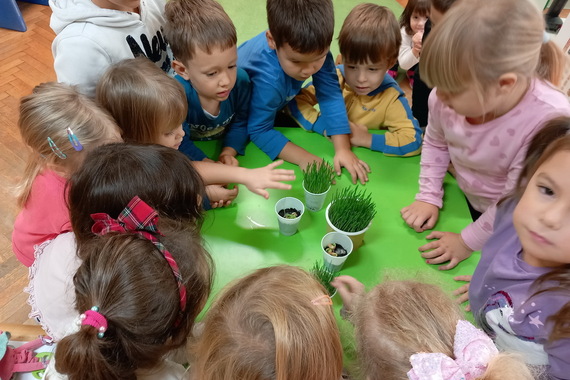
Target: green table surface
[[245, 236]]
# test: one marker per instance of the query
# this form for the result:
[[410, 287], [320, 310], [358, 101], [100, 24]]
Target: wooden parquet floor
[[25, 61]]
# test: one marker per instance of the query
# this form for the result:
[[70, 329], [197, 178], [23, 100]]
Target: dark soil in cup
[[289, 213], [335, 249]]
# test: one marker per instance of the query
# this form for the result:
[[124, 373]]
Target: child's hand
[[208, 160], [349, 289], [463, 291], [359, 135], [219, 196], [421, 216], [417, 43], [227, 159], [357, 168], [228, 156], [449, 247], [267, 177]]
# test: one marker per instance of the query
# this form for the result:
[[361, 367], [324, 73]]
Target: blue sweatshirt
[[230, 124], [272, 89]]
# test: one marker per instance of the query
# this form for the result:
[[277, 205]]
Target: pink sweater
[[44, 216], [487, 157]]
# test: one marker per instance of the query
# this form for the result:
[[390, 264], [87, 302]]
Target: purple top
[[499, 297]]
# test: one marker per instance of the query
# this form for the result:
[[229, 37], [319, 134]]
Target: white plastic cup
[[288, 227], [335, 263], [314, 201]]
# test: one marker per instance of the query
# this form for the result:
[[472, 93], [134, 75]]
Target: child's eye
[[232, 67], [373, 69], [352, 67], [211, 74], [545, 190]]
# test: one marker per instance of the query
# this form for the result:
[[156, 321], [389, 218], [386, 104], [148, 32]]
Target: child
[[93, 34], [203, 40], [412, 22], [59, 125], [275, 323], [150, 107], [368, 41], [413, 330], [278, 61], [520, 291], [109, 178], [126, 327], [492, 97]]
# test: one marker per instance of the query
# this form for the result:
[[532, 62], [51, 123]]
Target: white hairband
[[545, 37]]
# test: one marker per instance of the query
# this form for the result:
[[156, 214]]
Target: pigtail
[[507, 367], [34, 167], [560, 277], [552, 63]]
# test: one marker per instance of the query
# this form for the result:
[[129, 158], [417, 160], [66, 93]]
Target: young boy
[[369, 43], [203, 40], [278, 61], [94, 34]]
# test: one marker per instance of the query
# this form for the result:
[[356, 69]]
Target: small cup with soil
[[289, 211], [336, 248]]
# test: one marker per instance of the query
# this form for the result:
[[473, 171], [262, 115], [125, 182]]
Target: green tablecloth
[[245, 236]]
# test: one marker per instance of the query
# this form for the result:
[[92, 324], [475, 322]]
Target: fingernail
[[427, 261]]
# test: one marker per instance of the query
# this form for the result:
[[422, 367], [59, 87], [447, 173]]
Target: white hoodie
[[90, 39]]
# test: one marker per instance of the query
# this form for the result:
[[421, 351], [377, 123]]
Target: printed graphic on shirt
[[156, 49], [200, 132], [498, 315]]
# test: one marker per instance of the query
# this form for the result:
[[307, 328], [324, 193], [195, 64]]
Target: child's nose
[[553, 217]]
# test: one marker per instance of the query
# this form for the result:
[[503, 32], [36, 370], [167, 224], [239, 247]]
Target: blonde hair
[[201, 24], [47, 113], [264, 326], [370, 32], [397, 319], [143, 99], [476, 43]]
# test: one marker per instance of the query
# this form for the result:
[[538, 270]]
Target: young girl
[[275, 323], [126, 327], [59, 125], [492, 97], [150, 107], [412, 23], [413, 330], [109, 178], [520, 291]]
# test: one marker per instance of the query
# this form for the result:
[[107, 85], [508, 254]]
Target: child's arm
[[236, 136], [80, 69], [407, 56], [404, 136], [256, 180], [333, 113]]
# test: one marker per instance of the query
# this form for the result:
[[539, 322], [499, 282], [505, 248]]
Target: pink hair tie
[[94, 318], [472, 349]]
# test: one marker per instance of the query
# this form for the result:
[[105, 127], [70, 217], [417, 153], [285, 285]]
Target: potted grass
[[351, 212], [317, 179], [324, 276]]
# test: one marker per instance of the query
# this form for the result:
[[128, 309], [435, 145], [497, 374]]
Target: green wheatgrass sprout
[[352, 209], [318, 176], [324, 276]]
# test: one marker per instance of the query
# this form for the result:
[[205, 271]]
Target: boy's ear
[[180, 69], [270, 40]]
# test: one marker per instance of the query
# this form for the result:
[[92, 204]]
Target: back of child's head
[[143, 99], [197, 24], [128, 278], [113, 174], [442, 5], [420, 7], [307, 26], [370, 33], [274, 324], [397, 319], [48, 116], [475, 44]]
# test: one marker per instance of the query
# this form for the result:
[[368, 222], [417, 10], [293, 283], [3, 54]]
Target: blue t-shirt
[[272, 89], [230, 124]]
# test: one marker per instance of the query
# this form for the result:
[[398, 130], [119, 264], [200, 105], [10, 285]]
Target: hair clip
[[55, 149], [322, 300], [74, 140]]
